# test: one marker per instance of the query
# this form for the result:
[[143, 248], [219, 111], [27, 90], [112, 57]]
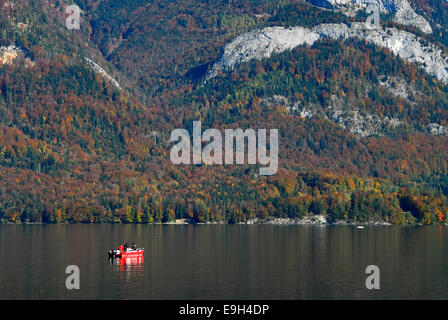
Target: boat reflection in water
[[129, 262], [129, 265]]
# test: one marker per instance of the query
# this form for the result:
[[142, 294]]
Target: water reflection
[[133, 261], [224, 262], [128, 267]]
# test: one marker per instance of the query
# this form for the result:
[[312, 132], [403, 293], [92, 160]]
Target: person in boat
[[126, 247], [134, 246]]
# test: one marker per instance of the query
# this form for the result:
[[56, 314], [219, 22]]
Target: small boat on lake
[[123, 252]]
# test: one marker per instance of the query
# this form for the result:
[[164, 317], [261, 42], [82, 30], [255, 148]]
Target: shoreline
[[318, 220]]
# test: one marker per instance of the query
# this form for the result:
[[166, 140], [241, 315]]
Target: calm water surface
[[224, 262]]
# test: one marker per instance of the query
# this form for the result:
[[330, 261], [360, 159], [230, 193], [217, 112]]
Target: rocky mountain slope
[[261, 44], [86, 116], [264, 43]]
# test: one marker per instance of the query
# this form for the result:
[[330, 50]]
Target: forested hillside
[[362, 133]]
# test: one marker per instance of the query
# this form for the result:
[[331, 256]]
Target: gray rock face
[[397, 87], [437, 129], [404, 44], [361, 125], [261, 44], [348, 116], [400, 9], [103, 73]]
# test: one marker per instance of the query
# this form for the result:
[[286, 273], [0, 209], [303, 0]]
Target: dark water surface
[[224, 262]]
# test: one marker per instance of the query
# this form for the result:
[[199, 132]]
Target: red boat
[[130, 253], [126, 253], [134, 261]]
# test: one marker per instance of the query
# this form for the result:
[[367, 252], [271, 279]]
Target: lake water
[[224, 262]]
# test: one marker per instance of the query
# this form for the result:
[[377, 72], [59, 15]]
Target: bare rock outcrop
[[103, 73], [261, 44]]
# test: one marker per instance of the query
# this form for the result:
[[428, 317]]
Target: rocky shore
[[311, 220], [308, 220]]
